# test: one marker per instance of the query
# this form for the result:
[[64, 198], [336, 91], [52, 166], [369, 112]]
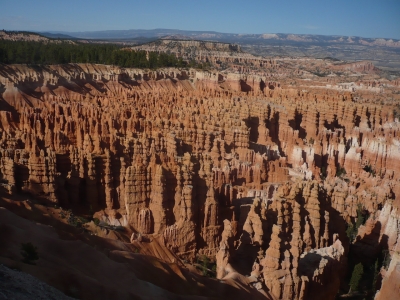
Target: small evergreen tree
[[386, 258], [340, 171], [205, 265], [356, 276], [360, 216], [376, 275], [323, 173], [352, 229], [29, 253], [350, 232]]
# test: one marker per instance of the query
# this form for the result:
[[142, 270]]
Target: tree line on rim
[[44, 53]]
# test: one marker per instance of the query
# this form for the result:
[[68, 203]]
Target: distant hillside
[[58, 36], [234, 37], [175, 45], [22, 36], [135, 33]]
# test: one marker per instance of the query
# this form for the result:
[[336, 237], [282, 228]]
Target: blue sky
[[351, 17]]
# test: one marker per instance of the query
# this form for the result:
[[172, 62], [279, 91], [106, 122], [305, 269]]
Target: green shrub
[[83, 220], [352, 230], [323, 173], [386, 258], [207, 267], [360, 216], [369, 169], [376, 275], [356, 276], [29, 253], [396, 111], [340, 172]]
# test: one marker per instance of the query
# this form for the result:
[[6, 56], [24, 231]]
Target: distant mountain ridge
[[232, 37], [58, 36]]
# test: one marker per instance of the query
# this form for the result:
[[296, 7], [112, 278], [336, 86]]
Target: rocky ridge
[[18, 285], [27, 36]]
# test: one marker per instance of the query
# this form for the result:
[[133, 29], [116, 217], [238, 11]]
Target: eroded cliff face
[[216, 54], [236, 167]]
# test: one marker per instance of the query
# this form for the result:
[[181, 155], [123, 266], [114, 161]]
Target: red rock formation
[[232, 166]]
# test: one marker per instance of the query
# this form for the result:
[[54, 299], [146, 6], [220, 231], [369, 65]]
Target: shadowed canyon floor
[[127, 177]]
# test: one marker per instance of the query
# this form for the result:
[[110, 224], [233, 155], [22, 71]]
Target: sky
[[364, 18]]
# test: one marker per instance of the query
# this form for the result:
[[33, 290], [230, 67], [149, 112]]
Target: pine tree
[[29, 253], [376, 275], [356, 276], [360, 216]]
